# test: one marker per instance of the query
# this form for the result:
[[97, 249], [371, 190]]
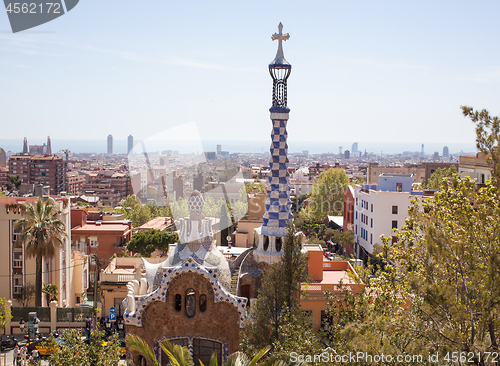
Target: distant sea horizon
[[248, 147]]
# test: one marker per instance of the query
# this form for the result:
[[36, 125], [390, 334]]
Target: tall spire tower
[[278, 205]]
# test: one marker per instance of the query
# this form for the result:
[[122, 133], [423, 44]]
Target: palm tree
[[180, 356], [41, 232]]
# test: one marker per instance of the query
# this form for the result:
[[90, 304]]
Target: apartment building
[[17, 270], [46, 170], [476, 167], [378, 209], [75, 183], [421, 172]]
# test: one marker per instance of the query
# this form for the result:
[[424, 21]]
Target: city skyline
[[393, 71]]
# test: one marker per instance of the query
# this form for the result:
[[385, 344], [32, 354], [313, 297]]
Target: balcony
[[17, 263], [117, 277]]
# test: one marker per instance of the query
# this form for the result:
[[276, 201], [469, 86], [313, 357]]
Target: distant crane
[[66, 152]]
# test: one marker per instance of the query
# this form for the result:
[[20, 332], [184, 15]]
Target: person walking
[[34, 355], [16, 356], [24, 353]]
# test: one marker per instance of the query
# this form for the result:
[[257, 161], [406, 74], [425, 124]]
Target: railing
[[321, 288], [117, 277], [17, 263], [18, 290], [327, 264]]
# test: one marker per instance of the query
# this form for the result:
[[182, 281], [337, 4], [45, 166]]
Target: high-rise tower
[[25, 146], [130, 143], [278, 205], [49, 146], [110, 144]]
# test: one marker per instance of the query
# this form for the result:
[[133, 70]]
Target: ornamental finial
[[280, 58]]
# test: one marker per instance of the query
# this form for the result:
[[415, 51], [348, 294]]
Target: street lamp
[[35, 325], [108, 326], [21, 325]]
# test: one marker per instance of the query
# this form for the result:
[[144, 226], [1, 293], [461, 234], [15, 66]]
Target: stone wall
[[160, 320]]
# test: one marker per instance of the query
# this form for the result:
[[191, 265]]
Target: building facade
[[18, 270], [43, 170]]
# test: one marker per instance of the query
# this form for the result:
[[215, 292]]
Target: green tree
[[276, 312], [147, 242], [5, 314], [346, 238], [14, 181], [41, 232], [487, 136], [440, 285], [450, 256], [327, 195], [179, 208], [51, 292], [436, 179], [74, 351]]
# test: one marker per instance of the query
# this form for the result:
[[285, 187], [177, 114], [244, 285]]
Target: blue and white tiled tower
[[278, 204]]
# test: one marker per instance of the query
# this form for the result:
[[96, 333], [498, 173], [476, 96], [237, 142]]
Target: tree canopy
[[5, 313], [436, 179], [74, 351], [487, 136], [440, 285], [327, 195], [139, 214], [146, 242]]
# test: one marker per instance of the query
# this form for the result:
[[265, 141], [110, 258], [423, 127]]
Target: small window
[[395, 210], [371, 238], [278, 244], [178, 302], [190, 302], [203, 302], [372, 207], [266, 242], [395, 224], [356, 201], [356, 215], [371, 222], [399, 187]]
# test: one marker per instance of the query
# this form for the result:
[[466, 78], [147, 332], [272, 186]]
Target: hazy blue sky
[[362, 70]]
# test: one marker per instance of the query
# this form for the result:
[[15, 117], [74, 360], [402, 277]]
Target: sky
[[364, 70]]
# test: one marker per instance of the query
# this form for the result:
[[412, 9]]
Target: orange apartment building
[[325, 274]]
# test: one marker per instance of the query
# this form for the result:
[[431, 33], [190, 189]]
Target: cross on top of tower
[[280, 58]]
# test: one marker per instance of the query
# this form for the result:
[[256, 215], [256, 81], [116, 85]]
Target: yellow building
[[16, 270]]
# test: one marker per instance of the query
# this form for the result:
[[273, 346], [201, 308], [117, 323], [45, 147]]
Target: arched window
[[190, 302], [178, 302], [278, 243], [203, 302], [266, 242]]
